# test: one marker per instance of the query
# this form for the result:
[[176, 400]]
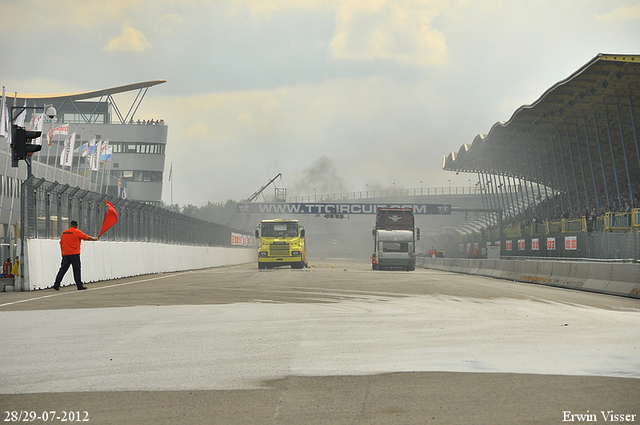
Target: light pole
[[20, 149]]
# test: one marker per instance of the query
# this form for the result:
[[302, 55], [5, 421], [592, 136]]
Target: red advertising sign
[[571, 243], [508, 245], [551, 244], [521, 244], [535, 244]]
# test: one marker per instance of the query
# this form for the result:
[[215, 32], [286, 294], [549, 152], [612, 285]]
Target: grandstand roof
[[102, 96], [91, 94], [594, 104]]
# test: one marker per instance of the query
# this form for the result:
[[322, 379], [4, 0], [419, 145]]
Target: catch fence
[[48, 208]]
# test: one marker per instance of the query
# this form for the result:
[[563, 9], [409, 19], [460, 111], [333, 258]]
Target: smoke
[[321, 176]]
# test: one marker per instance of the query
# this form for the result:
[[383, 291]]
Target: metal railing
[[385, 193], [48, 207]]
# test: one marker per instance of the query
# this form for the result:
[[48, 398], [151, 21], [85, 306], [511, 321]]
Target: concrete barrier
[[620, 275], [510, 270], [104, 260], [609, 278], [488, 266], [561, 274]]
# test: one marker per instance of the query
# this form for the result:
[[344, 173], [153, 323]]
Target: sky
[[336, 95]]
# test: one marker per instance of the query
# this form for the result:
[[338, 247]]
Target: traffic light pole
[[20, 150]]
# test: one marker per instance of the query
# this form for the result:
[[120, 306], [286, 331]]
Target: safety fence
[[615, 235], [48, 208], [580, 244]]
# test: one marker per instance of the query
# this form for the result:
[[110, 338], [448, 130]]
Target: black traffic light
[[21, 145]]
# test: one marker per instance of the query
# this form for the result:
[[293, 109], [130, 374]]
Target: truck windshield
[[394, 220], [279, 230]]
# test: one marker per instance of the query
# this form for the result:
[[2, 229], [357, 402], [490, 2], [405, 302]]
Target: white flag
[[105, 152], [19, 121], [66, 157], [89, 147], [4, 119], [36, 125], [61, 129], [95, 156]]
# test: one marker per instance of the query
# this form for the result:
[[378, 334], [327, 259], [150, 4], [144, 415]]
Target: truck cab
[[282, 243], [394, 239]]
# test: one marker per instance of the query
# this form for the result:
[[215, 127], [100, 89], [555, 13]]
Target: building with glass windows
[[131, 166]]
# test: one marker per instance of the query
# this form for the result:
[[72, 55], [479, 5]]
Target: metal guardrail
[[48, 207], [385, 193], [622, 222]]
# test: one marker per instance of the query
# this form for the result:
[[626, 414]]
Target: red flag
[[110, 218]]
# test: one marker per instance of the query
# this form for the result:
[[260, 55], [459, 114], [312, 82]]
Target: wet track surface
[[334, 343]]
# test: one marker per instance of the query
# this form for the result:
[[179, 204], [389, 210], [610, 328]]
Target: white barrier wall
[[104, 260], [605, 277]]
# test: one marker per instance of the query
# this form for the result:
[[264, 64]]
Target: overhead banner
[[335, 208]]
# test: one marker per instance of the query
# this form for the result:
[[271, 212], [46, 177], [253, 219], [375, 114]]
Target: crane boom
[[251, 198], [259, 191]]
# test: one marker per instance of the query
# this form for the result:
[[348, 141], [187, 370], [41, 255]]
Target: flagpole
[[56, 161], [49, 143], [96, 157], [4, 118], [36, 166], [79, 156], [104, 146], [15, 102], [110, 168]]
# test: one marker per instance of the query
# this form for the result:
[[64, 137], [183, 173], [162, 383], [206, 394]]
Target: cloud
[[65, 13], [387, 29], [265, 8], [621, 14], [197, 131], [131, 40]]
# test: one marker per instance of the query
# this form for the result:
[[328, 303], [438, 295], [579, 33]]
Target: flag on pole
[[66, 157], [36, 124], [61, 129], [170, 171], [94, 159], [110, 218], [86, 148], [22, 116], [105, 152], [122, 192], [4, 117]]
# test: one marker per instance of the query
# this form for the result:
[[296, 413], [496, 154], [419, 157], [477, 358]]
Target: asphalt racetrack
[[336, 343]]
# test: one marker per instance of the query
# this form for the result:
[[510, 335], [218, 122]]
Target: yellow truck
[[282, 243]]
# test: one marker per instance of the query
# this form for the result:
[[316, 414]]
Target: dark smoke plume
[[321, 176]]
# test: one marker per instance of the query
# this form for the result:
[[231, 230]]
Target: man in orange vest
[[70, 247]]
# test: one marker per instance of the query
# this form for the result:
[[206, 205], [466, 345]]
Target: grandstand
[[564, 167]]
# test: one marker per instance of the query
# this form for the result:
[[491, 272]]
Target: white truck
[[394, 239]]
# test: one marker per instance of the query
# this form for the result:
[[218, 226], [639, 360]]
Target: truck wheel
[[261, 266]]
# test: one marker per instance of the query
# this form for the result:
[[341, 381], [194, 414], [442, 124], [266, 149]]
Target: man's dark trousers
[[74, 262]]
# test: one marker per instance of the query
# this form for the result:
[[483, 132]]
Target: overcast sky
[[337, 95]]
